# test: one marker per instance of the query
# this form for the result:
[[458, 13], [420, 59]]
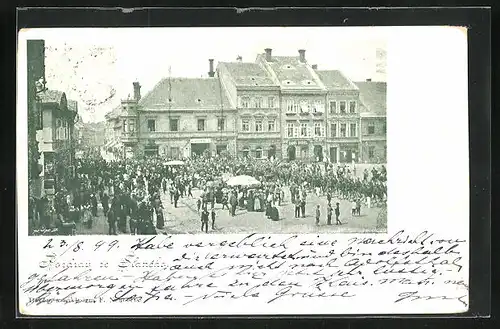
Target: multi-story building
[[302, 102], [342, 122], [113, 131], [56, 140], [277, 106], [178, 118], [373, 121], [251, 89]]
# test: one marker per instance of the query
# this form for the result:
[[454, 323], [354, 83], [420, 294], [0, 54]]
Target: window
[[352, 131], [289, 129], [258, 125], [124, 126], [258, 153], [131, 126], [352, 106], [258, 102], [270, 102], [342, 107], [343, 130], [371, 152], [317, 129], [303, 129], [151, 125], [245, 125], [291, 107], [201, 124], [385, 152], [174, 124], [371, 129], [221, 124], [319, 107], [333, 107], [384, 128], [271, 125], [245, 102], [333, 130], [245, 152], [305, 107]]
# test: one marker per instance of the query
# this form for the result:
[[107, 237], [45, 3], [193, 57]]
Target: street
[[186, 220]]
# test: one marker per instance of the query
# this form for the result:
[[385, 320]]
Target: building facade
[[373, 120], [179, 118], [302, 105], [343, 113], [252, 91], [56, 140], [275, 107]]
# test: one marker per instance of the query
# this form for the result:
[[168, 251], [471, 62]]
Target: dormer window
[[307, 82], [287, 82], [198, 100], [288, 67]]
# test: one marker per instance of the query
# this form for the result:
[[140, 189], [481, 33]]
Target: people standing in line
[[318, 214], [329, 211], [213, 218], [204, 220], [337, 214]]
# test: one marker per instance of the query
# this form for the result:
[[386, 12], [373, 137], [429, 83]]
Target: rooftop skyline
[[96, 67]]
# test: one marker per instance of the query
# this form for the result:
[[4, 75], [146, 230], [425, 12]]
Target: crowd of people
[[130, 191]]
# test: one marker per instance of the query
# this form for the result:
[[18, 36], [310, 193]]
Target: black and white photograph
[[242, 171], [279, 132]]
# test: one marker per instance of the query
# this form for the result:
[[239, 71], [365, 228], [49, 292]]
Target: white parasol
[[174, 163], [242, 180]]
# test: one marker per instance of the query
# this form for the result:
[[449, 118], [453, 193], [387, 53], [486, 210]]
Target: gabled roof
[[373, 95], [51, 96], [334, 79], [292, 73], [248, 74], [114, 113], [190, 93]]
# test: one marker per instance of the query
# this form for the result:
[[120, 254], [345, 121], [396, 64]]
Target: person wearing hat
[[329, 211], [204, 220], [318, 214]]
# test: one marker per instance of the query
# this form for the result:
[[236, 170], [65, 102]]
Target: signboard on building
[[201, 141]]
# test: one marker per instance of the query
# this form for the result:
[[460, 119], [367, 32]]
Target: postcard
[[242, 171]]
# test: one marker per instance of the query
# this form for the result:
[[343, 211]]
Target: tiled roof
[[248, 74], [186, 93], [114, 113], [373, 95], [334, 79], [290, 69], [51, 96]]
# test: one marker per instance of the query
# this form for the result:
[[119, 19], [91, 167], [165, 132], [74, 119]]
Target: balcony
[[343, 115]]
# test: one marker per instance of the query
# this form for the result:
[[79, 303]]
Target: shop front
[[200, 146], [349, 153]]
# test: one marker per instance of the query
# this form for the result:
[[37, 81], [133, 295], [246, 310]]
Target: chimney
[[315, 66], [368, 80], [302, 54], [211, 73], [268, 54], [137, 91]]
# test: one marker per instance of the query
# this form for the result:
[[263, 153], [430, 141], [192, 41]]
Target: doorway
[[333, 154], [271, 154], [318, 153]]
